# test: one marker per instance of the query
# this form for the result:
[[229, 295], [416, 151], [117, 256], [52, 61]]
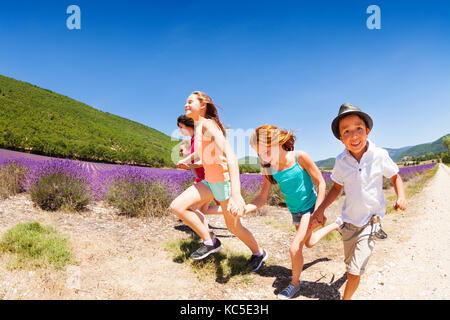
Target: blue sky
[[288, 63]]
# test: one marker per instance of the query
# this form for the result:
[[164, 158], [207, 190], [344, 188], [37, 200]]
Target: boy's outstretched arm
[[334, 192], [399, 188]]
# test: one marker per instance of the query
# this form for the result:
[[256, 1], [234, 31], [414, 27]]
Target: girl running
[[295, 172], [221, 181]]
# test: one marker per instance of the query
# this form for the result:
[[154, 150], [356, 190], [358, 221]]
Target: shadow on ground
[[186, 229], [310, 289], [227, 265], [224, 264]]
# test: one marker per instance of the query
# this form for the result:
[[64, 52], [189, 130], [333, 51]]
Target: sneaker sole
[[207, 254], [281, 297], [261, 263]]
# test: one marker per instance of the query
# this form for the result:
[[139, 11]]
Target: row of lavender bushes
[[72, 185]]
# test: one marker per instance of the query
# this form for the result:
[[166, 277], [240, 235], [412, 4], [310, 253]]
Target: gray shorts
[[359, 243], [296, 217]]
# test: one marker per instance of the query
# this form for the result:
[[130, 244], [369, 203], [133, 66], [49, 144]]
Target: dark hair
[[188, 122]]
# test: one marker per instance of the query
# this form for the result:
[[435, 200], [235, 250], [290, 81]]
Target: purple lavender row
[[99, 176]]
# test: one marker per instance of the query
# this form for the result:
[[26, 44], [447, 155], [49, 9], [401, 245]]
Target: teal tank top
[[297, 187]]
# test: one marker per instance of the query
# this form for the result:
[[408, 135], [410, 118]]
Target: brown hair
[[269, 136], [188, 122], [211, 109]]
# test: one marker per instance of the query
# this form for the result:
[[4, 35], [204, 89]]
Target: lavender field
[[133, 190]]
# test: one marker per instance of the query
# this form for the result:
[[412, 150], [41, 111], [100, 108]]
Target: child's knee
[[309, 244], [233, 229], [175, 208], [295, 248]]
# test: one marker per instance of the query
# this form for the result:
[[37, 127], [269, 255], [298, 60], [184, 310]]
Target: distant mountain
[[40, 121], [399, 153], [423, 149], [326, 164], [395, 153]]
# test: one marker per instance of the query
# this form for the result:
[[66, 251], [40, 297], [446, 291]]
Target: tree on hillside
[[446, 142], [446, 155]]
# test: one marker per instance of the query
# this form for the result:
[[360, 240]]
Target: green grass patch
[[224, 265], [32, 245]]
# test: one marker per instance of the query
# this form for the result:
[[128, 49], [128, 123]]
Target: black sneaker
[[256, 262], [205, 250]]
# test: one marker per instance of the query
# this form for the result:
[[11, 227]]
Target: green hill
[[249, 160], [40, 121], [398, 153], [395, 153], [249, 164], [326, 164], [423, 149]]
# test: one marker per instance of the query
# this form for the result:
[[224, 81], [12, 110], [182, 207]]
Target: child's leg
[[204, 208], [351, 286], [358, 248], [196, 194], [212, 210], [296, 249], [235, 227], [319, 234]]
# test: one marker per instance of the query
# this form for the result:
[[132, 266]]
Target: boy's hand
[[318, 218], [313, 224], [401, 204]]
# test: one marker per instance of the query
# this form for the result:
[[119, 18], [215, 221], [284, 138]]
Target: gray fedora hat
[[348, 109]]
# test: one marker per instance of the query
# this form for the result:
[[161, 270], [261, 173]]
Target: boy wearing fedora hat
[[359, 170]]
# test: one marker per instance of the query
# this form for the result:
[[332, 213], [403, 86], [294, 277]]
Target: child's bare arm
[[312, 169], [188, 160], [236, 204], [334, 192], [399, 188]]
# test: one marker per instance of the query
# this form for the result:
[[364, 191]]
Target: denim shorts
[[220, 190], [296, 217]]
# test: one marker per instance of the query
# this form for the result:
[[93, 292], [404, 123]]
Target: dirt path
[[415, 263], [123, 258]]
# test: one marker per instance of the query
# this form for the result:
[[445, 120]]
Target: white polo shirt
[[363, 183]]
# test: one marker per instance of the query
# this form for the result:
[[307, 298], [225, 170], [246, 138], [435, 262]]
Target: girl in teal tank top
[[296, 174], [297, 187]]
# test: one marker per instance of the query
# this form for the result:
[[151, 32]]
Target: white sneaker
[[339, 221]]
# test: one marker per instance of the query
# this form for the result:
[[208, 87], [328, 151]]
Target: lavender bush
[[410, 172], [144, 192], [60, 184]]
